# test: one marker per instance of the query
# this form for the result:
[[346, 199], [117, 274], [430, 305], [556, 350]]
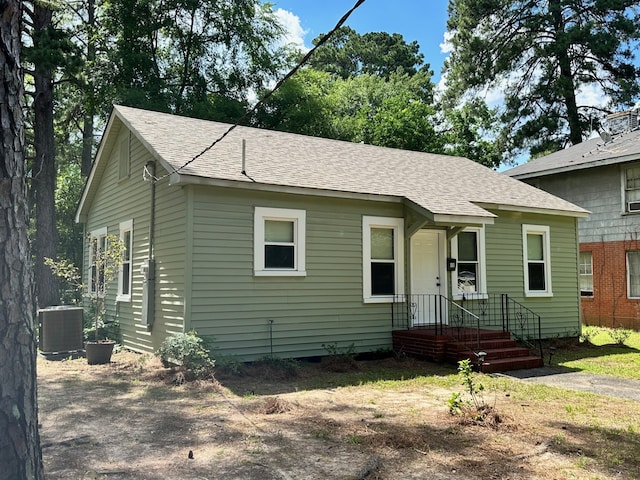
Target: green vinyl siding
[[119, 199], [505, 269], [326, 306]]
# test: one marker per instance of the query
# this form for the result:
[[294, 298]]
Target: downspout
[[148, 268]]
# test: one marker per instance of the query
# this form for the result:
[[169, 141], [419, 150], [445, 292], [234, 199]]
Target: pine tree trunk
[[44, 174], [20, 452], [566, 79], [90, 112]]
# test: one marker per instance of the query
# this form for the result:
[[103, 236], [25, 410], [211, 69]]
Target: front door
[[428, 276]]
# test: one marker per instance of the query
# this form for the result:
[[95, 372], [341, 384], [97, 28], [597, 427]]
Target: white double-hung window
[[468, 246], [586, 274], [537, 260], [279, 242], [633, 274], [97, 247], [382, 258], [125, 271]]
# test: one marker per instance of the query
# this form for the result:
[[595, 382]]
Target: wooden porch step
[[503, 353], [508, 364], [484, 345], [492, 353]]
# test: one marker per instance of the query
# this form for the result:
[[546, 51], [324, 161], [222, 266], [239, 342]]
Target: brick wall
[[609, 305]]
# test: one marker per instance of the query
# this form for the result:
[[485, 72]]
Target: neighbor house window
[[124, 158], [468, 247], [586, 274], [279, 242], [537, 260], [633, 274], [383, 258], [125, 271], [632, 189], [97, 245]]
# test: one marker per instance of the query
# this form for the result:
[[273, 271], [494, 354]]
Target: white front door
[[428, 276]]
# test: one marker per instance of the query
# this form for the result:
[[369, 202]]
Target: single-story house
[[602, 175], [276, 243]]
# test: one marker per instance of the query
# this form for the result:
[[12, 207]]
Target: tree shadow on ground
[[258, 379], [565, 350], [591, 445]]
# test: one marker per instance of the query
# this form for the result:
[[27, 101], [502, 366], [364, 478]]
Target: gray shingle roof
[[442, 184], [595, 152]]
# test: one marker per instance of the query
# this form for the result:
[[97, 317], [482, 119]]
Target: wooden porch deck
[[454, 344]]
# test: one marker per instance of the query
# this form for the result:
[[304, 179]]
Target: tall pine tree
[[20, 451], [540, 55]]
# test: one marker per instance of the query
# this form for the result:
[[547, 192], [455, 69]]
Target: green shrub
[[588, 332], [620, 335], [340, 359], [188, 351]]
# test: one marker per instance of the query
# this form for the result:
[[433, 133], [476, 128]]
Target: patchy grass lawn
[[382, 419], [598, 353]]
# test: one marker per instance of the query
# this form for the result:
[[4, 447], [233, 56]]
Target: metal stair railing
[[433, 310], [472, 311], [523, 323]]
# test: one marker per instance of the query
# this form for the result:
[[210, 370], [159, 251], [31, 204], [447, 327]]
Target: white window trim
[[481, 279], [95, 234], [397, 224], [580, 275], [299, 233], [546, 245], [126, 226], [626, 255]]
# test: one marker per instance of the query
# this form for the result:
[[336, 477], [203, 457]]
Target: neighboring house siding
[[608, 233], [326, 306], [560, 313], [610, 305], [121, 199], [598, 190]]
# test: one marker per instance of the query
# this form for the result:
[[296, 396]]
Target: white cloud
[[592, 95], [294, 33], [446, 46]]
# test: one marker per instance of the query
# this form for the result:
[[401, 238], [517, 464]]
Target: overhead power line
[[252, 110]]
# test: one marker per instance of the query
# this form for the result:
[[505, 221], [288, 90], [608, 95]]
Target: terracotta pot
[[99, 353]]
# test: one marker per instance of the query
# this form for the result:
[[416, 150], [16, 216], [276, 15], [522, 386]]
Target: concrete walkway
[[571, 380]]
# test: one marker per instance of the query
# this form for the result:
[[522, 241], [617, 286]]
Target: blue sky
[[420, 20]]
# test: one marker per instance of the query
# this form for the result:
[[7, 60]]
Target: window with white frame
[[383, 258], [632, 189], [97, 245], [279, 242], [633, 274], [468, 246], [537, 260], [586, 274], [125, 271]]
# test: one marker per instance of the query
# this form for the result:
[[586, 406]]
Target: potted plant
[[106, 259]]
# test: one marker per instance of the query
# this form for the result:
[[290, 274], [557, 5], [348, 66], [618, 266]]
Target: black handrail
[[522, 322], [493, 312]]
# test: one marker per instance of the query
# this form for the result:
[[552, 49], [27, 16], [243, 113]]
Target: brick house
[[601, 175]]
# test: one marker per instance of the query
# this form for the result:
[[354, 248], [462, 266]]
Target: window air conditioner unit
[[633, 206]]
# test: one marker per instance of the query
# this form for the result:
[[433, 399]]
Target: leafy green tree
[[540, 55], [303, 104], [394, 112], [190, 56], [49, 53], [471, 131], [348, 54]]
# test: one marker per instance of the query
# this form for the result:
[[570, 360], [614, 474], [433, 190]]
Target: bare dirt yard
[[382, 419]]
